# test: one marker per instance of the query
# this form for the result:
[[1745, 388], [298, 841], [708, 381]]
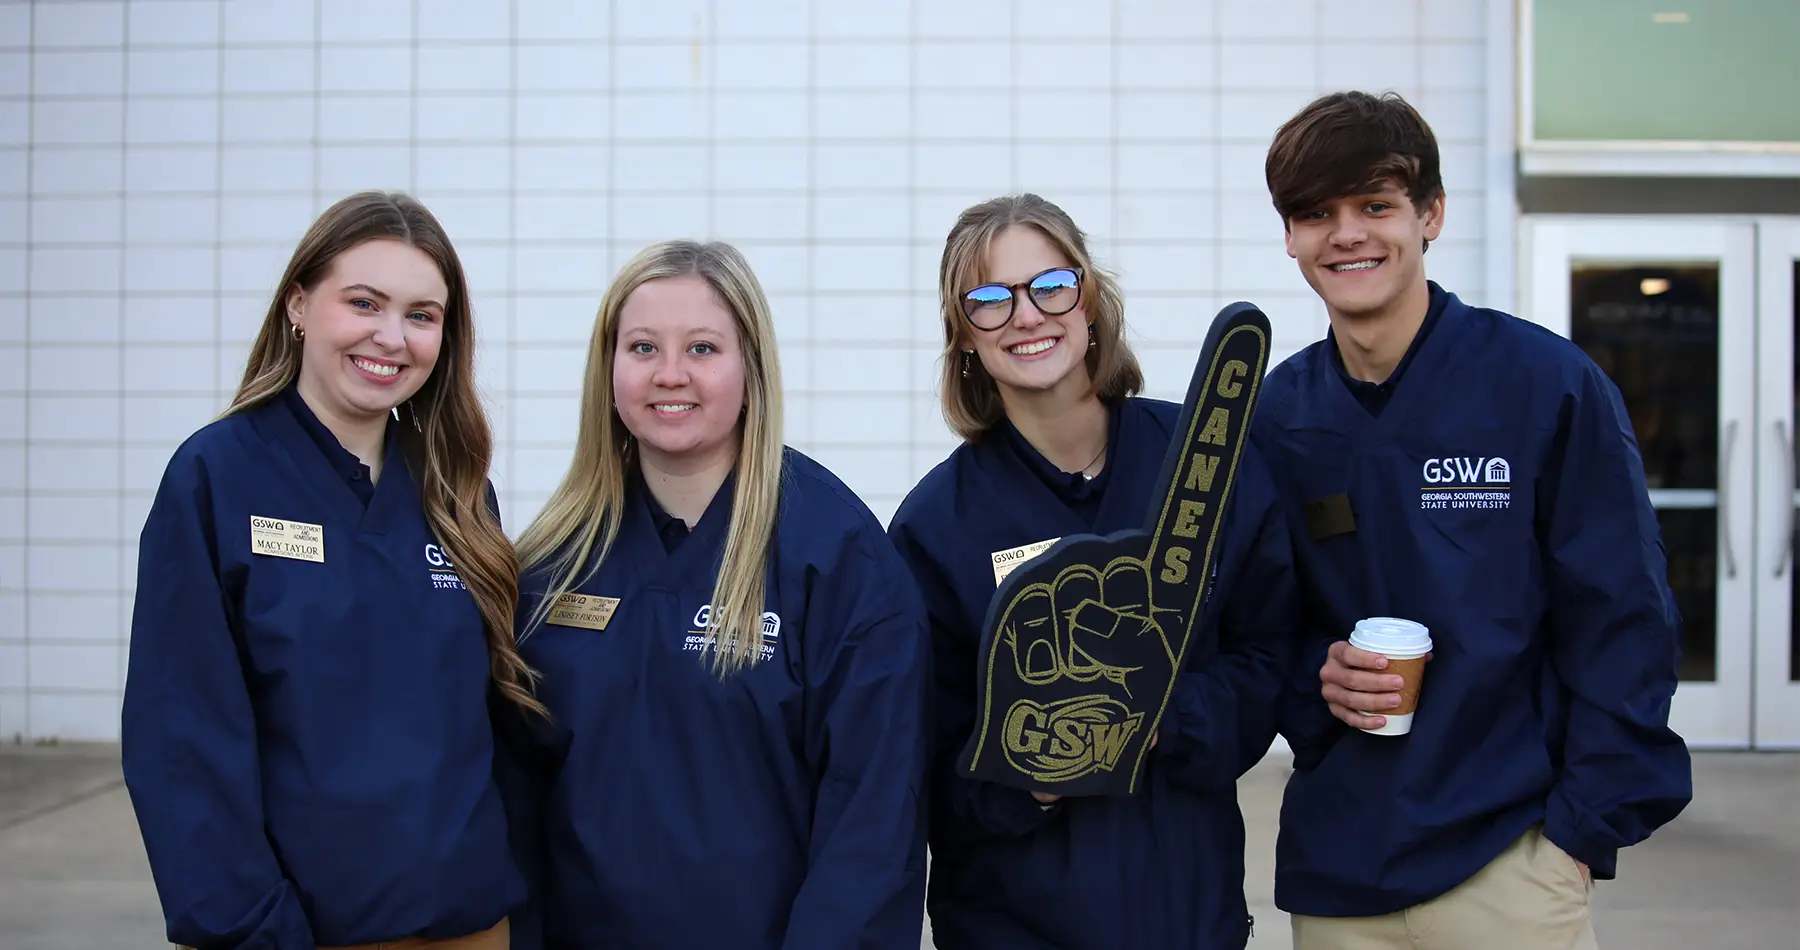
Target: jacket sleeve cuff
[[1582, 837]]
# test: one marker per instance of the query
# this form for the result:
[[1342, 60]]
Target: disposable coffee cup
[[1405, 644]]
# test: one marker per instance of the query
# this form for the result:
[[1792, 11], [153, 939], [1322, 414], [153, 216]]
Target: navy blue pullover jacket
[[1498, 498], [306, 743], [779, 808], [1163, 868]]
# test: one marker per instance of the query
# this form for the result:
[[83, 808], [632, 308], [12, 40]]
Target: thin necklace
[[1083, 471]]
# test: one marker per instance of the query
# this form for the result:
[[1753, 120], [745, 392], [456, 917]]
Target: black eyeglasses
[[1053, 292]]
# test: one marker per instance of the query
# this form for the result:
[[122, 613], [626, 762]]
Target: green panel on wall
[[1669, 70]]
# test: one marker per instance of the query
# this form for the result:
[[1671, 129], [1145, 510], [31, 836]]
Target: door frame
[[1776, 708], [1716, 714]]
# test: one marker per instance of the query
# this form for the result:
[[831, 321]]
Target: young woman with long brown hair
[[324, 616]]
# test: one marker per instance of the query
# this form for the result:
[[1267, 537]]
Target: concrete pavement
[[1724, 876]]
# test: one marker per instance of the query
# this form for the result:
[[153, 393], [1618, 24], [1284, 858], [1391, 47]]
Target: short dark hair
[[1346, 143]]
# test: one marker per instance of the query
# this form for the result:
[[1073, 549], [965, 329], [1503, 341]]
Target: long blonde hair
[[575, 530], [972, 404], [445, 434]]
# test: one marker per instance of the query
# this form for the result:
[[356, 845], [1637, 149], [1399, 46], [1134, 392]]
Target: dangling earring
[[1093, 340], [413, 411], [299, 332], [965, 370]]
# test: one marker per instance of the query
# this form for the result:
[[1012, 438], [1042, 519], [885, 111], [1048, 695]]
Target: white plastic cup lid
[[1391, 636]]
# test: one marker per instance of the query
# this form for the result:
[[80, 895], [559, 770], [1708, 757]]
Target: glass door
[[1667, 308], [1777, 646]]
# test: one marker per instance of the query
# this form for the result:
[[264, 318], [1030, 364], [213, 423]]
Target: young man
[[1476, 474]]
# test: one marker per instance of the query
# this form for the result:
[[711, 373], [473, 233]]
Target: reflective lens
[[987, 302], [1054, 292]]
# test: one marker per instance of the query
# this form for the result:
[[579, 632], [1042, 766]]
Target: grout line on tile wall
[[810, 412], [508, 499], [915, 465], [1012, 96], [1218, 132], [873, 39], [218, 241], [710, 76], [412, 106], [1115, 240], [30, 228], [125, 245], [318, 104]]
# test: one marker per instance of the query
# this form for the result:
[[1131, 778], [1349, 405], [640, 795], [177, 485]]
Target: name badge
[[1005, 561], [583, 610], [278, 537], [1330, 517]]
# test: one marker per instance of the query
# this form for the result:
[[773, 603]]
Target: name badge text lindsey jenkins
[[278, 537], [1005, 561], [583, 610]]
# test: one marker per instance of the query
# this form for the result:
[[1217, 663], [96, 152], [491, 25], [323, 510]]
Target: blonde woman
[[324, 607], [735, 664], [1040, 383]]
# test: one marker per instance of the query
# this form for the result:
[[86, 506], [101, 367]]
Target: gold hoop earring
[[298, 332]]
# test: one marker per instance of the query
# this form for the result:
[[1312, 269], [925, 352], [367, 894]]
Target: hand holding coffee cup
[[1371, 681]]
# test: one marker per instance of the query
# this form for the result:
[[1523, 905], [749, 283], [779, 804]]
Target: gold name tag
[[1005, 561], [278, 537], [583, 610]]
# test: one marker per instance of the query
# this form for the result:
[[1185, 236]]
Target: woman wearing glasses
[[1040, 384]]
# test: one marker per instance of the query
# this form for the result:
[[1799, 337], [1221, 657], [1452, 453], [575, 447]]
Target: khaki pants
[[1532, 897], [497, 937]]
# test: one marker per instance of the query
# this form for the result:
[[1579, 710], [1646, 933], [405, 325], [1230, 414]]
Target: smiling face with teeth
[[1031, 353], [678, 374], [1364, 253], [374, 325]]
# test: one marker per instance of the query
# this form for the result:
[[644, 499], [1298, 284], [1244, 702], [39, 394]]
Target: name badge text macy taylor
[[278, 537], [583, 610]]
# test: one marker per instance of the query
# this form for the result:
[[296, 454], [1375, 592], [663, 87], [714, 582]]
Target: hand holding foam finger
[[1109, 628], [1121, 611]]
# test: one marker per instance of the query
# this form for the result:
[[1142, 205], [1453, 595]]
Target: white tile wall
[[159, 158]]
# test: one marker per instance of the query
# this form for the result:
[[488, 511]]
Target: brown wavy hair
[[445, 433], [972, 404], [1348, 143]]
